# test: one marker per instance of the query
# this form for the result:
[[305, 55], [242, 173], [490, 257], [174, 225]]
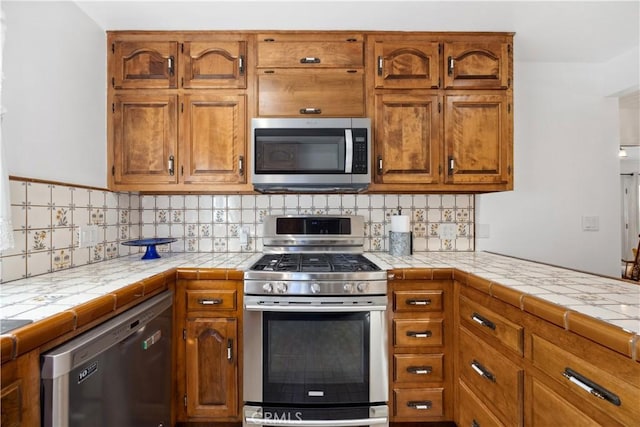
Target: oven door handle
[[325, 308], [317, 423]]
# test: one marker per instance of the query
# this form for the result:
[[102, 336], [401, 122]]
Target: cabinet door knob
[[171, 165]]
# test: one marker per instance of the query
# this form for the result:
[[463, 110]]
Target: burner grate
[[314, 263]]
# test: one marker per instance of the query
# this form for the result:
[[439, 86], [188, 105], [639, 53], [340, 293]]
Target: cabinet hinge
[[184, 337], [508, 108], [182, 81], [509, 48], [185, 400], [113, 171], [182, 170], [113, 82], [509, 170], [439, 107], [113, 107], [509, 82], [182, 107], [439, 83], [113, 48], [439, 169], [439, 48], [181, 47]]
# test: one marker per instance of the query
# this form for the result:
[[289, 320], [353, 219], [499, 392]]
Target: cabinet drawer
[[473, 412], [614, 396], [417, 368], [549, 408], [417, 301], [418, 403], [496, 380], [199, 300], [311, 93], [417, 333], [306, 54], [477, 317]]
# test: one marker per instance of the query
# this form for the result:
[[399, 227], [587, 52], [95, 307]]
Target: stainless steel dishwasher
[[116, 374]]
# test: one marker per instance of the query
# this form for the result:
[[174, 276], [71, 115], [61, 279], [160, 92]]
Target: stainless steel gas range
[[315, 333]]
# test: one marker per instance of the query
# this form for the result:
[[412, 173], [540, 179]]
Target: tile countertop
[[613, 301]]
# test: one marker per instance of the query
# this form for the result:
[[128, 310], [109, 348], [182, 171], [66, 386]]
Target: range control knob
[[348, 287], [281, 287], [267, 287], [315, 288], [363, 287]]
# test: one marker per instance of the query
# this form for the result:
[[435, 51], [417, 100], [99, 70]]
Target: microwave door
[[348, 155]]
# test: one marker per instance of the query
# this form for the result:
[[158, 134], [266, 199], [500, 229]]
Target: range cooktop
[[339, 263]]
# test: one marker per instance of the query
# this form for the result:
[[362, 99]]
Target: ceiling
[[547, 31]]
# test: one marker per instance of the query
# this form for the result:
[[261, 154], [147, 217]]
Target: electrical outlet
[[447, 231], [244, 235], [88, 236]]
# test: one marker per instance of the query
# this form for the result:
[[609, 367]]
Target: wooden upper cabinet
[[144, 64], [144, 139], [214, 64], [477, 139], [325, 92], [477, 65], [407, 139], [319, 50], [407, 65], [213, 144]]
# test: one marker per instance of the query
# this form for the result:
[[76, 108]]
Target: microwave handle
[[348, 151]]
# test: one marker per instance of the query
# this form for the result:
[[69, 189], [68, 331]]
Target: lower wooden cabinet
[[551, 409], [212, 367], [421, 369], [208, 350]]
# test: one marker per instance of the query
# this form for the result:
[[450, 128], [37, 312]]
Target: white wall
[[54, 93], [566, 166]]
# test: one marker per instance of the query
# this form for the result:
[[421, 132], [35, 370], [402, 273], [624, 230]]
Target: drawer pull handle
[[418, 302], [422, 405], [229, 349], [310, 60], [483, 321], [310, 111], [419, 370], [591, 387], [416, 334], [207, 301], [482, 371], [474, 423]]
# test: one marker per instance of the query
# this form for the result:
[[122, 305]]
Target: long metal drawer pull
[[415, 334], [208, 301], [418, 302], [482, 371], [310, 111], [419, 370], [589, 386], [420, 404], [317, 423], [310, 60], [483, 321]]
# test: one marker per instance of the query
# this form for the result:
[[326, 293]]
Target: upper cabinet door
[[144, 139], [477, 139], [214, 64], [407, 65], [144, 65], [477, 65]]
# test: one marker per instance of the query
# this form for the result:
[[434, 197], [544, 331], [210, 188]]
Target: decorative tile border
[[47, 218]]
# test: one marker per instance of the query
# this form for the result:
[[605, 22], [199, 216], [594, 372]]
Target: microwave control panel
[[360, 155]]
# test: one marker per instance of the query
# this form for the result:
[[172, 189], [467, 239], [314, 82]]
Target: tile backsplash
[[47, 219]]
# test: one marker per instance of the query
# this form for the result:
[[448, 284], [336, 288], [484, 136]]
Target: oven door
[[315, 352]]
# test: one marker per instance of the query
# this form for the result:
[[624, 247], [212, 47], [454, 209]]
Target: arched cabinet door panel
[[477, 65], [144, 65]]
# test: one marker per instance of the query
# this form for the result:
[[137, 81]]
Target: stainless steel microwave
[[311, 154]]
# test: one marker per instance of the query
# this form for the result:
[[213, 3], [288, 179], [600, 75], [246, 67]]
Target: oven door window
[[316, 358], [299, 151]]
